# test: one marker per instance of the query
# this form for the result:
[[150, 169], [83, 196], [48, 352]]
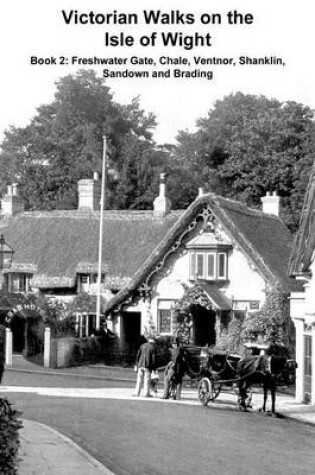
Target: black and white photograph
[[157, 237]]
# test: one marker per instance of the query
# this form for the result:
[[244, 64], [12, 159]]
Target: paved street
[[141, 436]]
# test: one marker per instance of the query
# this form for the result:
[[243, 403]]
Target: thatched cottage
[[302, 267], [208, 272]]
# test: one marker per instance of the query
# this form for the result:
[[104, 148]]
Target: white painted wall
[[245, 283], [302, 311], [309, 307]]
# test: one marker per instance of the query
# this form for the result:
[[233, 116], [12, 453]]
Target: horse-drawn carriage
[[219, 370]]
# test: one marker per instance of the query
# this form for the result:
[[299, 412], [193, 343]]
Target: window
[[211, 267], [87, 280], [165, 321], [200, 266], [222, 265], [165, 309], [85, 324], [20, 282], [192, 265], [245, 305], [208, 265], [94, 279], [84, 282]]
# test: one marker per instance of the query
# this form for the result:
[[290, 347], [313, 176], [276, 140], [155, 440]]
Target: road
[[141, 437]]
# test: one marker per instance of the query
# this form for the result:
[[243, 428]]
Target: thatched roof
[[263, 238], [304, 244], [56, 245]]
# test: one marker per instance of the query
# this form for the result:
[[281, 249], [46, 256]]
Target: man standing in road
[[146, 362], [175, 370]]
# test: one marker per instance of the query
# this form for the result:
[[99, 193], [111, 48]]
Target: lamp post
[[100, 244], [6, 256]]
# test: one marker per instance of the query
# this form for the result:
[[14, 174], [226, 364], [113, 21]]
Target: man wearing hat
[[146, 362], [175, 369]]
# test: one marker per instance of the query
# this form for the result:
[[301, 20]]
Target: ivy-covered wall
[[235, 328], [272, 321]]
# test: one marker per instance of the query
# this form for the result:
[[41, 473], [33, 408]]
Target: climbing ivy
[[182, 318], [272, 321]]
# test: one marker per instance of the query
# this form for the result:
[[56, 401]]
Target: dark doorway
[[130, 335], [203, 325], [18, 333]]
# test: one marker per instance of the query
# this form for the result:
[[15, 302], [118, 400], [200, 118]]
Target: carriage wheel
[[205, 391]]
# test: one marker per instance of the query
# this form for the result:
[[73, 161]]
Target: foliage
[[64, 140], [87, 350], [10, 424], [60, 319], [58, 316], [272, 321], [182, 321], [163, 348], [62, 328], [248, 145]]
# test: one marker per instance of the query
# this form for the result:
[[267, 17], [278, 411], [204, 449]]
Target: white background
[[36, 28]]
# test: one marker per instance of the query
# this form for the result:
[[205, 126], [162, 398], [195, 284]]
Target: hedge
[[10, 424]]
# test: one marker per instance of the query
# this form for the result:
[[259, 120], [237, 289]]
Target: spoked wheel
[[205, 391]]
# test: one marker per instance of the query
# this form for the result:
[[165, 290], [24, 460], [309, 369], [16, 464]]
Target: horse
[[266, 370]]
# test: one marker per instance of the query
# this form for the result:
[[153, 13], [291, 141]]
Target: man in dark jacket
[[145, 364], [175, 370]]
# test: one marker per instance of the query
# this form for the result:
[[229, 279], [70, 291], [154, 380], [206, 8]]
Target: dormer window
[[19, 282], [208, 265], [222, 265], [88, 281], [208, 258]]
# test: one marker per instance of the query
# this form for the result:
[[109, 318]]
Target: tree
[[63, 143], [248, 145]]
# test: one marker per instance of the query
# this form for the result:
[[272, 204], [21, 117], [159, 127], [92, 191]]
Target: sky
[[36, 28]]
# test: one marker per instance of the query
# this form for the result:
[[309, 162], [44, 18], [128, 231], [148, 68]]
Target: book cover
[[191, 124]]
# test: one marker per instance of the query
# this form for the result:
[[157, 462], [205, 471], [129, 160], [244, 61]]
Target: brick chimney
[[12, 203], [271, 203], [89, 193], [162, 204]]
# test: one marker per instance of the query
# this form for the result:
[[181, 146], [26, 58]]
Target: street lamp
[[6, 256]]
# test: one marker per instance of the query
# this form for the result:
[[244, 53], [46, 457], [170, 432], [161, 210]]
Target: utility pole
[[100, 244]]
